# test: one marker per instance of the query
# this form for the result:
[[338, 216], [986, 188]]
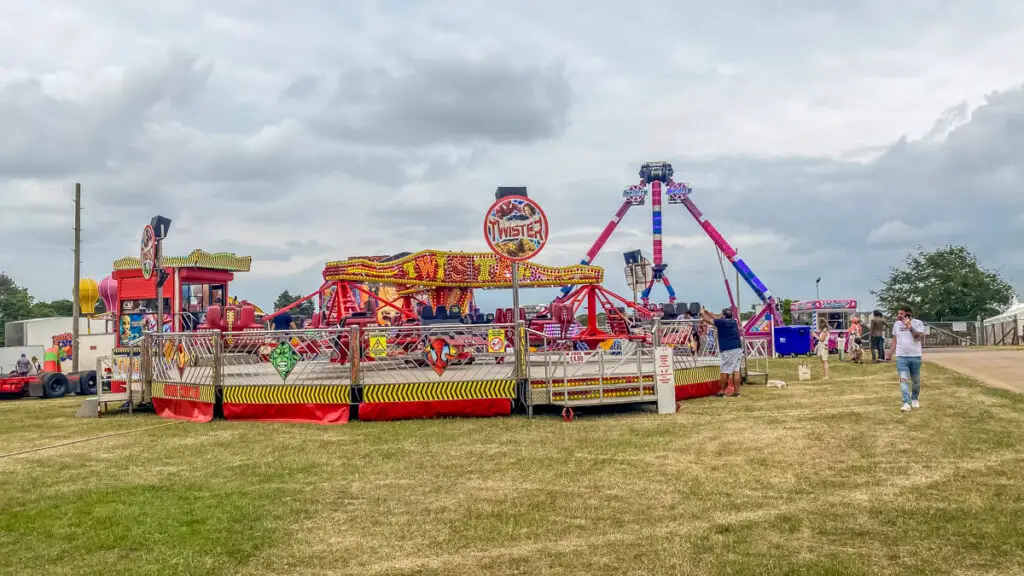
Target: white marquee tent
[[1015, 313]]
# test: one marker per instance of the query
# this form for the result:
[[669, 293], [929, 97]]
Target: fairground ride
[[434, 287], [656, 177]]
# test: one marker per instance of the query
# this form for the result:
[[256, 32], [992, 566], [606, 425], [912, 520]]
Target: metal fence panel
[[182, 358], [756, 348], [694, 344], [1003, 333], [560, 374], [278, 357], [951, 334], [438, 353]]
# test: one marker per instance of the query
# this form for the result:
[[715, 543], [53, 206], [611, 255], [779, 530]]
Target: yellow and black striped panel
[[287, 394], [575, 382], [426, 392], [179, 391], [697, 375]]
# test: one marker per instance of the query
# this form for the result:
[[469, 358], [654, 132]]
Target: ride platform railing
[[620, 373], [389, 366], [696, 360]]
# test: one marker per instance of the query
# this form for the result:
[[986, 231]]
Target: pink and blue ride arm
[[729, 252], [601, 240]]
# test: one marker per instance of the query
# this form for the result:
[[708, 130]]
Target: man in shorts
[[730, 348]]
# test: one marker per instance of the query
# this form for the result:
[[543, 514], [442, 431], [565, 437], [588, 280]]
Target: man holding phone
[[907, 340]]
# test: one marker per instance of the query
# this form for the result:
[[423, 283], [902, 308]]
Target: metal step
[[114, 397], [604, 401]]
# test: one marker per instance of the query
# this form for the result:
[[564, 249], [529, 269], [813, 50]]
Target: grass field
[[819, 478]]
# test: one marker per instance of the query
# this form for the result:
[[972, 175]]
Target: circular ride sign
[[516, 228], [147, 257]]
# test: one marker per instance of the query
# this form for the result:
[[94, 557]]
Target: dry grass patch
[[817, 478]]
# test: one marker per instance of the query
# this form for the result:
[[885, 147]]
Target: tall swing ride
[[655, 178]]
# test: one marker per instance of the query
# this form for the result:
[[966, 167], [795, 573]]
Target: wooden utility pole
[[76, 305]]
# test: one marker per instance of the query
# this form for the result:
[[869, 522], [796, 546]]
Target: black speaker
[[504, 191], [160, 226]]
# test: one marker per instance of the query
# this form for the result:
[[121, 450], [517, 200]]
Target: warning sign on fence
[[378, 346], [495, 341]]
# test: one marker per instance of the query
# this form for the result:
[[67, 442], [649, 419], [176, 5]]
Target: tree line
[[17, 304]]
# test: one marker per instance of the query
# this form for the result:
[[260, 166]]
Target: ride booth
[[838, 313], [194, 292]]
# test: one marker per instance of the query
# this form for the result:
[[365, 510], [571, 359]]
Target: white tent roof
[[1015, 310]]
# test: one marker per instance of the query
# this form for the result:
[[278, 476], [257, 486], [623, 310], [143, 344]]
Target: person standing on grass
[[877, 328], [823, 334], [907, 340], [730, 348], [854, 346]]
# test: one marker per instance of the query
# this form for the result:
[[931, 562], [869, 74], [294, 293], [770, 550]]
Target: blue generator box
[[793, 340]]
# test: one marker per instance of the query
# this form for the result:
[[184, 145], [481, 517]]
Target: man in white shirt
[[907, 338]]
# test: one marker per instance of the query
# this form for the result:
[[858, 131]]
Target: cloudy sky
[[822, 138]]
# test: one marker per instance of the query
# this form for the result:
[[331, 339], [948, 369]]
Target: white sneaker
[[906, 408], [915, 404]]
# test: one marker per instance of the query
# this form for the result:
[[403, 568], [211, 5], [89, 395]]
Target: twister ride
[[402, 336]]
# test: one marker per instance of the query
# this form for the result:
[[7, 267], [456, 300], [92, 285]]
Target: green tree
[[56, 308], [787, 314], [286, 298], [945, 284], [15, 303]]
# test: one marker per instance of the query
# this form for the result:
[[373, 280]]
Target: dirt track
[[997, 368]]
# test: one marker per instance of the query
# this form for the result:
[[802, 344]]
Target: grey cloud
[[301, 89], [278, 252], [435, 102], [47, 137]]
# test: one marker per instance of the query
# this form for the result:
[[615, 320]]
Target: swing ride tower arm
[[729, 252], [601, 240]]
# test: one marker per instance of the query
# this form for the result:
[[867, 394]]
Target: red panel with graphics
[[183, 402], [483, 408]]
